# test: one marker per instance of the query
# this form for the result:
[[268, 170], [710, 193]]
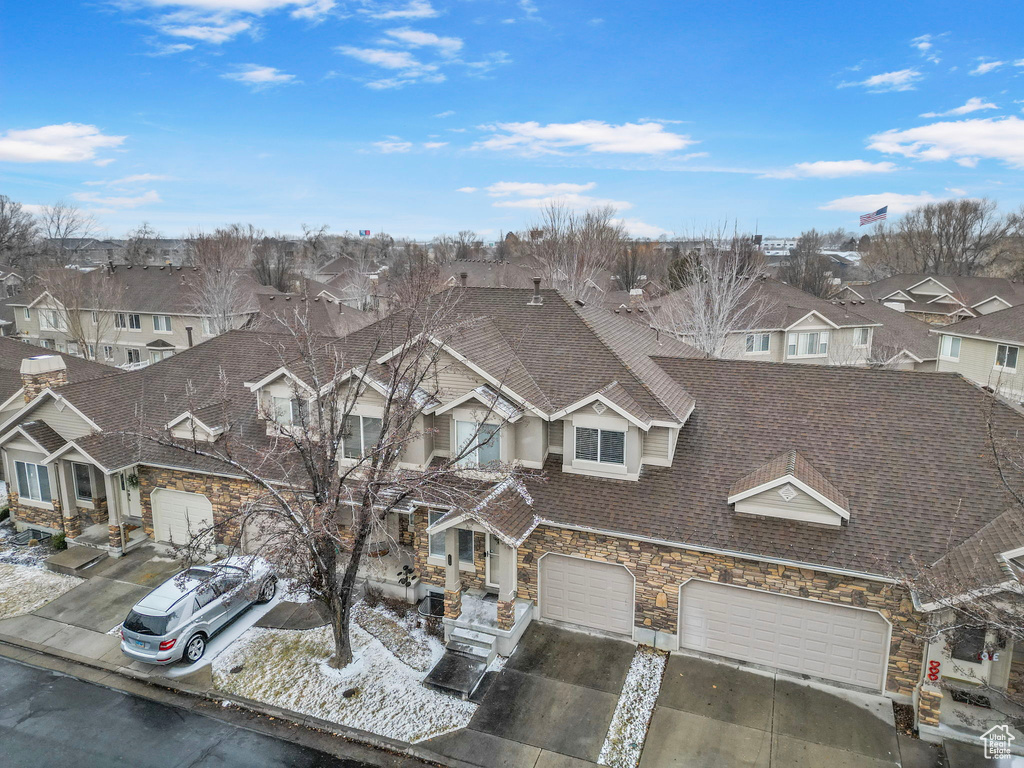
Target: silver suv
[[178, 618]]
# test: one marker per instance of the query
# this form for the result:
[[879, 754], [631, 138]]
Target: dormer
[[281, 398], [189, 426], [790, 488]]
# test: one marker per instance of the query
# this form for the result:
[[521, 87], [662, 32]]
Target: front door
[[131, 499], [492, 561]]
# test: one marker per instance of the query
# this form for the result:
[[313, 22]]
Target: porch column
[[452, 578], [63, 501], [507, 586], [116, 546]]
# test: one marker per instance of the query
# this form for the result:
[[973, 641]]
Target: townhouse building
[[721, 507], [940, 299], [986, 350]]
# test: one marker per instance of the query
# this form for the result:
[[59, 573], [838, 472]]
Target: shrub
[[372, 596], [57, 541]]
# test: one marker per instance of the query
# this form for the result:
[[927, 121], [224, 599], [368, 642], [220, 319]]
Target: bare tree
[[66, 230], [316, 513], [574, 251], [17, 232], [220, 292], [807, 268], [82, 306], [412, 277], [445, 248], [139, 247], [317, 248], [273, 263], [633, 265], [954, 237], [721, 298], [467, 244]]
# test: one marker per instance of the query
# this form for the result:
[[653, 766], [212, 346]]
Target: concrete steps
[[467, 655], [73, 560]]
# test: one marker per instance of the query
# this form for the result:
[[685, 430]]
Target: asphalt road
[[47, 719]]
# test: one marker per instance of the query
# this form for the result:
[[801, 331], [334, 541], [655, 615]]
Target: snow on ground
[[24, 588], [628, 729], [288, 668], [9, 553]]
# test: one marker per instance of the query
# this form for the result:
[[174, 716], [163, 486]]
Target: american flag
[[878, 215]]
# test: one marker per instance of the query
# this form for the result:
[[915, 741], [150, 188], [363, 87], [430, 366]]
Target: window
[[758, 343], [132, 355], [437, 541], [28, 313], [131, 321], [860, 337], [814, 344], [95, 317], [1006, 357], [968, 644], [50, 320], [108, 352], [207, 327], [33, 481], [606, 446], [361, 433], [73, 349], [162, 323], [83, 481], [92, 351], [487, 450], [156, 355], [950, 347], [47, 343]]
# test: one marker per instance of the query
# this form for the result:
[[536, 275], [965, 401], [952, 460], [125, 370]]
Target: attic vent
[[787, 492], [600, 408]]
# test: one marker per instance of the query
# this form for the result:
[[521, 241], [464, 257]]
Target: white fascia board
[[954, 600], [852, 290], [994, 340], [898, 294], [817, 315], [188, 415], [30, 406], [18, 430], [991, 298], [824, 501], [20, 393], [67, 447], [40, 298], [276, 374], [929, 280], [946, 296], [645, 426], [474, 395]]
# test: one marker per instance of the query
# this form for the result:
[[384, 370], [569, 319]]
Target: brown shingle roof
[[969, 290], [12, 352], [899, 330], [44, 435], [1004, 325], [791, 464]]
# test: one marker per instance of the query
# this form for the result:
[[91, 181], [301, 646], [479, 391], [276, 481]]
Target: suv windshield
[[147, 625]]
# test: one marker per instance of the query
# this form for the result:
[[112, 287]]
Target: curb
[[212, 695]]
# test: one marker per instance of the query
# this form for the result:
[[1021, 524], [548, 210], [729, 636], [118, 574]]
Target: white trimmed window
[[28, 313], [156, 355], [812, 344], [132, 355], [360, 435], [437, 541], [1006, 358], [108, 352], [162, 323], [288, 410], [604, 445], [50, 320], [487, 439], [83, 481], [129, 320], [33, 481], [759, 343], [95, 317], [860, 336], [949, 348]]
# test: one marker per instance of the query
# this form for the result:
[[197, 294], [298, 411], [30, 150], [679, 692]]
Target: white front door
[[493, 561], [131, 499]]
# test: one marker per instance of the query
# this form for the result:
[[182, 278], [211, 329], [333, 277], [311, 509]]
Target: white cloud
[[638, 228], [258, 77], [532, 138], [170, 49], [506, 188], [831, 169], [972, 105], [415, 38], [409, 68], [117, 203], [956, 191], [900, 80], [434, 144], [65, 143], [925, 44], [104, 162], [571, 200], [984, 67], [446, 113], [392, 144], [467, 190], [214, 33], [138, 178], [863, 203], [415, 9], [964, 141]]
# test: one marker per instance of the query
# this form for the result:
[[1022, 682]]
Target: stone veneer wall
[[660, 571], [35, 383], [434, 574], [38, 517], [225, 494]]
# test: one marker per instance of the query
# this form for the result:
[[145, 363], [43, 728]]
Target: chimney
[[463, 278], [537, 299], [188, 333], [42, 372]]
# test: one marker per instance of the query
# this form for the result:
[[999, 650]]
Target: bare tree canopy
[[633, 265], [82, 304], [218, 292], [954, 237], [273, 262], [139, 247], [66, 229], [325, 479], [807, 268], [17, 231]]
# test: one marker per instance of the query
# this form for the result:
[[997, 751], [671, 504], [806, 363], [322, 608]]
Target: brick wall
[[660, 571]]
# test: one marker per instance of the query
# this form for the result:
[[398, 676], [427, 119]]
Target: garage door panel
[[824, 640], [179, 515], [596, 595]]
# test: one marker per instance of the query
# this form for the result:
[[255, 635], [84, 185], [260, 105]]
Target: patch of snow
[[498, 664], [628, 729], [15, 555], [24, 588], [289, 669]]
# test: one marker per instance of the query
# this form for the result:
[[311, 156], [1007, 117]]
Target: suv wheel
[[267, 591], [194, 649]]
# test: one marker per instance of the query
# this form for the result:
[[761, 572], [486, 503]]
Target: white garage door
[[586, 592], [823, 640], [178, 515]]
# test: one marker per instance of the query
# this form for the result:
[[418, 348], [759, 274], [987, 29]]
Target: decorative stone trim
[[114, 537], [36, 517], [452, 603], [928, 704], [506, 614]]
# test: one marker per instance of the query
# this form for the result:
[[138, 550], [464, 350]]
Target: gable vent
[[787, 492], [600, 408]]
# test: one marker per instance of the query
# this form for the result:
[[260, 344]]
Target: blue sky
[[425, 116]]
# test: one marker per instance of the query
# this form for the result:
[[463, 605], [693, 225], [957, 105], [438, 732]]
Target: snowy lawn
[[23, 588], [628, 729], [14, 555], [288, 668]]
